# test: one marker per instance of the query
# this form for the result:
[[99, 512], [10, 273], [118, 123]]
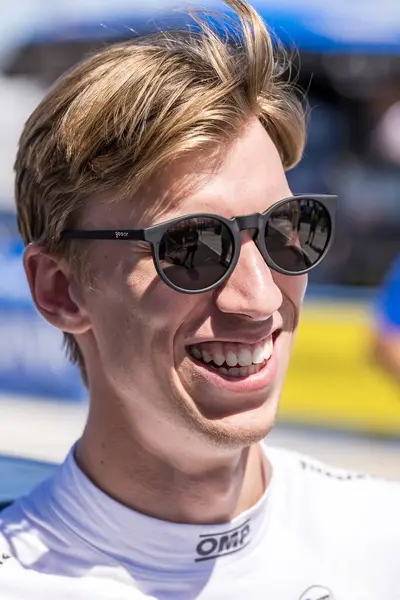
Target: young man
[[170, 493]]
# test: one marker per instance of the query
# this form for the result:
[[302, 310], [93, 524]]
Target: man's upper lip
[[237, 339]]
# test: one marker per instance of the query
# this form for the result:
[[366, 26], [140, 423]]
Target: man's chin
[[228, 419], [240, 429]]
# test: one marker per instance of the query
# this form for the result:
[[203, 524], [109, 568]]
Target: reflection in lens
[[297, 234], [195, 253]]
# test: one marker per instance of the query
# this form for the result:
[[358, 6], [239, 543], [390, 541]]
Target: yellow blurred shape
[[332, 379]]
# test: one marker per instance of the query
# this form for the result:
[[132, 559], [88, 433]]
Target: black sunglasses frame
[[154, 234]]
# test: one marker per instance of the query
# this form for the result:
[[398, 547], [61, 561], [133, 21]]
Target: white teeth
[[219, 359], [218, 355], [258, 355], [234, 355], [231, 359], [207, 356], [196, 352], [233, 372], [268, 349], [245, 357], [243, 371], [223, 371]]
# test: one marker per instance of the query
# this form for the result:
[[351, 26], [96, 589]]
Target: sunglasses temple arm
[[104, 234]]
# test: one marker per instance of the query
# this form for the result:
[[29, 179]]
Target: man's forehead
[[159, 205], [152, 204], [246, 176]]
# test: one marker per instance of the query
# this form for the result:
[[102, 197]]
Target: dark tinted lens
[[297, 234], [196, 253]]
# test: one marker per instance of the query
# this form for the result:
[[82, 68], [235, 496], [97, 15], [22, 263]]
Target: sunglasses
[[197, 253]]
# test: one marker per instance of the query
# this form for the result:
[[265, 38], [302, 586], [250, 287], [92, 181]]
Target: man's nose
[[250, 290]]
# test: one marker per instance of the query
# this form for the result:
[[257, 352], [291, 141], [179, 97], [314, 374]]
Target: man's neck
[[163, 490]]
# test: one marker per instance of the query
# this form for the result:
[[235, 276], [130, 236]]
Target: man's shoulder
[[316, 471], [319, 477], [338, 501]]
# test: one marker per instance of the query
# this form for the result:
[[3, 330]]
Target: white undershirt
[[315, 529]]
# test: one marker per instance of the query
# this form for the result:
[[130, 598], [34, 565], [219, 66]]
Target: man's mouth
[[233, 359]]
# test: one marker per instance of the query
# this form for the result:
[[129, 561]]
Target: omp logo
[[317, 592], [221, 544], [119, 234]]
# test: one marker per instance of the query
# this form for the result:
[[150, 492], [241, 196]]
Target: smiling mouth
[[233, 360]]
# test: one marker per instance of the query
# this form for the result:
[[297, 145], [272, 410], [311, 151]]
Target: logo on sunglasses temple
[[119, 234]]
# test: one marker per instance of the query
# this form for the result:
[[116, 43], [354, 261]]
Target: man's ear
[[49, 280]]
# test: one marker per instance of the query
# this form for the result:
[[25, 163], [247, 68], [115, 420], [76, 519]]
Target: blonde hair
[[112, 121]]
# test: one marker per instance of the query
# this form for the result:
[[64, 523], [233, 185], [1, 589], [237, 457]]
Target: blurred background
[[342, 397]]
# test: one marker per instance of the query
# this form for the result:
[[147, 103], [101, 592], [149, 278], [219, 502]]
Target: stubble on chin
[[234, 430]]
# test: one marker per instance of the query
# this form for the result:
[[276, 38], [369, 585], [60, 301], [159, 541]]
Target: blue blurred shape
[[312, 25], [32, 359], [18, 476], [387, 308]]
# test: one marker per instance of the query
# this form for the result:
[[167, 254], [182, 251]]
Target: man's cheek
[[166, 307], [293, 287]]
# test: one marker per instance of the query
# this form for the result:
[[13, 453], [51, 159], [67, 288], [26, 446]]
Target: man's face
[[144, 336]]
